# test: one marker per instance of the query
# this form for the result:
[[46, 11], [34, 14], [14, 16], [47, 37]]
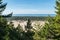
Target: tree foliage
[[9, 32], [51, 30], [29, 33]]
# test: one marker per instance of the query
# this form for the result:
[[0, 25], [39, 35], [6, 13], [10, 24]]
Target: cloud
[[32, 11], [29, 11]]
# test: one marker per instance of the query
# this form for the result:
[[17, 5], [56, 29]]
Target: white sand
[[36, 24]]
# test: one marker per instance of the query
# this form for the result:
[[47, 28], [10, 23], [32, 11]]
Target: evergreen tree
[[51, 30], [3, 22], [28, 27], [8, 32], [30, 33], [2, 6], [20, 32], [5, 29]]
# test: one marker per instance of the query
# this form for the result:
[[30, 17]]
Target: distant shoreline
[[37, 15]]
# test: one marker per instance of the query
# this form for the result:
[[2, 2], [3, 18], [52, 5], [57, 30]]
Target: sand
[[35, 24]]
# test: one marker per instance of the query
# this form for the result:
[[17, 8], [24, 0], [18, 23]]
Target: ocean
[[34, 14]]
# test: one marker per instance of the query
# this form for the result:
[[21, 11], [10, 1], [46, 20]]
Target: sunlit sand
[[34, 24]]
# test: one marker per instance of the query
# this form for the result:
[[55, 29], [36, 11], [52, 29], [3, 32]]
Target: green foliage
[[28, 25], [3, 23], [29, 17], [29, 34], [51, 30], [8, 32]]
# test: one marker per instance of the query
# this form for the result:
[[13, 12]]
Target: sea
[[34, 14]]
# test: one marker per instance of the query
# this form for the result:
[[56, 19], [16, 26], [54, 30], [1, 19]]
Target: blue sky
[[30, 6]]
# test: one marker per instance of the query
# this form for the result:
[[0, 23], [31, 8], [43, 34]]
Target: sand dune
[[34, 24]]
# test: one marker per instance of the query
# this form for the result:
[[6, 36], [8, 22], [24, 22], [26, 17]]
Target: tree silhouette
[[29, 34], [28, 27]]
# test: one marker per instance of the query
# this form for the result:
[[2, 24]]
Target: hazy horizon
[[33, 14]]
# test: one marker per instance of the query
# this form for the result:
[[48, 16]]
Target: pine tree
[[29, 34], [28, 27], [2, 6], [4, 27], [20, 31], [51, 30], [3, 22], [57, 19]]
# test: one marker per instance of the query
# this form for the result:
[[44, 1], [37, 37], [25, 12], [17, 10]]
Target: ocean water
[[34, 14]]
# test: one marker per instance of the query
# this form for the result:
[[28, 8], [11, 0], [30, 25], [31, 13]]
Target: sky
[[30, 6]]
